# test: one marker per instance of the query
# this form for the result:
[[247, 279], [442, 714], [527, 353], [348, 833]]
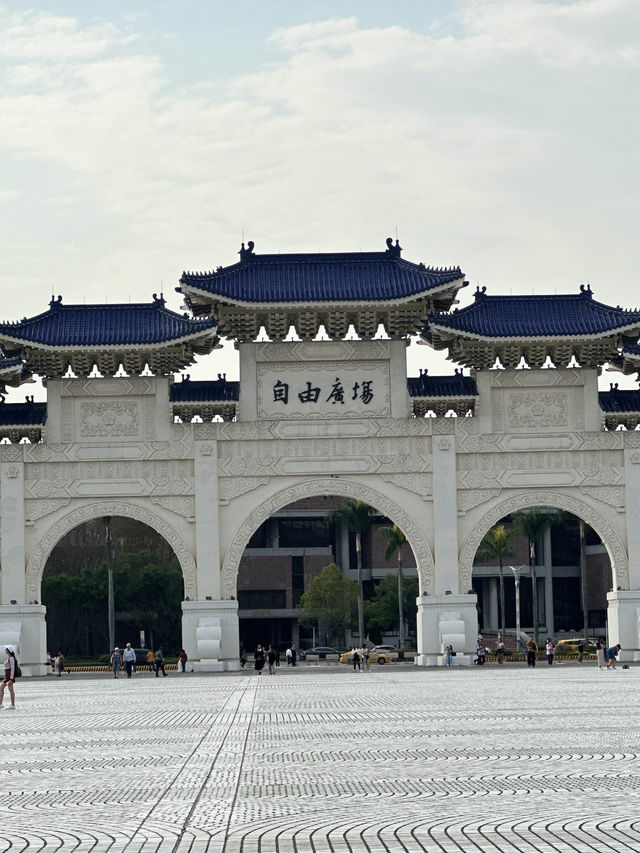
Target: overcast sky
[[139, 140]]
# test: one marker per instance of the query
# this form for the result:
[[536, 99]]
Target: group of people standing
[[360, 658], [125, 659], [271, 657]]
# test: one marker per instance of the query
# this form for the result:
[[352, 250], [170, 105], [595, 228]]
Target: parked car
[[570, 646], [378, 657], [320, 651], [384, 648]]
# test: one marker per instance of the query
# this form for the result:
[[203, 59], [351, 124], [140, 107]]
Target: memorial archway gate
[[311, 417]]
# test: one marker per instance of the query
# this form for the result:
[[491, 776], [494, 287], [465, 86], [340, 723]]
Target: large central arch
[[328, 486], [46, 544], [610, 538]]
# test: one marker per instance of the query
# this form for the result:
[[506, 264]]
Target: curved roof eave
[[194, 336], [368, 303]]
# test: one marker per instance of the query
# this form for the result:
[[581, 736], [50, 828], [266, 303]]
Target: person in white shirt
[[9, 678], [129, 658]]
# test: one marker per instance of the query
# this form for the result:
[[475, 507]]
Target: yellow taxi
[[380, 657]]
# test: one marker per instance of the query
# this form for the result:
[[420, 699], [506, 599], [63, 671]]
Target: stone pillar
[[632, 495], [445, 514], [490, 598], [623, 616], [200, 619], [23, 626], [207, 519], [12, 547], [453, 617]]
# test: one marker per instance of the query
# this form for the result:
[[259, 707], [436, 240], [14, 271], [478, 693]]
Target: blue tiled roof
[[631, 349], [328, 278], [569, 315], [457, 385], [23, 414], [619, 401], [203, 391], [104, 325], [9, 365]]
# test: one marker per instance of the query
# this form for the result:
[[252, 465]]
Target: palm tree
[[495, 546], [357, 516], [395, 540], [532, 523]]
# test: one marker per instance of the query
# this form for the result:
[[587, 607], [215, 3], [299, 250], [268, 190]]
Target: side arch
[[328, 486], [40, 554], [610, 538]]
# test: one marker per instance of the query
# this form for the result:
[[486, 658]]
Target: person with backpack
[[11, 672], [159, 661]]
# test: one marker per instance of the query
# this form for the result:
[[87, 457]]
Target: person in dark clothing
[[258, 659], [159, 662], [294, 655], [271, 658]]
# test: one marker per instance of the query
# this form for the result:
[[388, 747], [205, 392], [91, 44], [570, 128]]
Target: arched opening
[[288, 553], [147, 583], [544, 569]]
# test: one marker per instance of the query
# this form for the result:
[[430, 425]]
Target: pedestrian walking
[[150, 661], [531, 652], [365, 659], [288, 655], [116, 662], [600, 654], [60, 664], [500, 650], [580, 651], [550, 648], [129, 659], [11, 672], [356, 659], [258, 659], [158, 659], [271, 658], [481, 653], [611, 655], [448, 655], [277, 657], [182, 661], [294, 655]]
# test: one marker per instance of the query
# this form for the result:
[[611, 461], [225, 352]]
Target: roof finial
[[393, 251], [159, 300], [245, 254], [585, 290], [55, 302], [480, 291]]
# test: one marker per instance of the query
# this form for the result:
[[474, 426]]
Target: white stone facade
[[110, 448]]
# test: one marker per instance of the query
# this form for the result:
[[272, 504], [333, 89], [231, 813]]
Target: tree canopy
[[330, 603]]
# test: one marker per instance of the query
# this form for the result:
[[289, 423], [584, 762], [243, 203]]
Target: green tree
[[495, 546], [395, 540], [357, 516], [532, 523], [330, 603], [381, 611]]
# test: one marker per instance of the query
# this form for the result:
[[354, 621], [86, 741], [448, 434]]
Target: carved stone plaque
[[537, 410], [113, 419], [321, 390]]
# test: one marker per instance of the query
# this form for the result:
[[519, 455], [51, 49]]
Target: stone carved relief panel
[[229, 489], [120, 387], [51, 537], [577, 506], [537, 410], [109, 419], [420, 484], [35, 509], [48, 480], [328, 486]]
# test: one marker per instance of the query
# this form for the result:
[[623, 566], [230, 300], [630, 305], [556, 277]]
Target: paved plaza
[[321, 759]]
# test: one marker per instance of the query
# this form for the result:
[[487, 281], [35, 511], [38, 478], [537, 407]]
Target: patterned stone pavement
[[321, 759]]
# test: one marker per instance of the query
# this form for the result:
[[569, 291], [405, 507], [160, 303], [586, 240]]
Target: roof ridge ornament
[[585, 290], [480, 292], [393, 250], [159, 300], [55, 302], [246, 254]]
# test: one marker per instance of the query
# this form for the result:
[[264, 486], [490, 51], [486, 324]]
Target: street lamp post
[[516, 576], [110, 605]]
